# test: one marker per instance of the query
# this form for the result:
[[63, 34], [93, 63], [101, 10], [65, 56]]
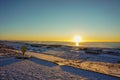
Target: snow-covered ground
[[110, 55], [66, 52], [35, 69], [31, 70]]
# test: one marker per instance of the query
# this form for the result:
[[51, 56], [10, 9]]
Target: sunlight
[[77, 40]]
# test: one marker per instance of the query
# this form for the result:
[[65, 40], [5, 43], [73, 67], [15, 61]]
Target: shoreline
[[67, 44], [111, 69], [100, 67]]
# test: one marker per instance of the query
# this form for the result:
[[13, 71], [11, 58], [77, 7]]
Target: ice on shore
[[70, 52], [99, 62]]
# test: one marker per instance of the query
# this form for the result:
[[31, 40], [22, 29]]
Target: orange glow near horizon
[[60, 38]]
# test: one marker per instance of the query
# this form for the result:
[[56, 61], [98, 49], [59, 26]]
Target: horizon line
[[62, 41]]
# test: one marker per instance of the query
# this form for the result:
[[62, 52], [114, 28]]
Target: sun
[[77, 39]]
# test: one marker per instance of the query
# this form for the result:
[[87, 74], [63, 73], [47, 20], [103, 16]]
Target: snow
[[93, 61]]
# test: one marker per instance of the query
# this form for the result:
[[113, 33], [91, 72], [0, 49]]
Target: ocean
[[83, 44]]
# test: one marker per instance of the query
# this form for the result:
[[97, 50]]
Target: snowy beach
[[66, 55]]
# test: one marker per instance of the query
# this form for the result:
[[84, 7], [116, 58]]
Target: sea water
[[83, 44]]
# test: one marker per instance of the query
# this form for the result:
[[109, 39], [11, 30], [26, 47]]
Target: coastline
[[100, 67], [111, 69]]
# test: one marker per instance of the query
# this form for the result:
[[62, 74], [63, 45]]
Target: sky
[[60, 20]]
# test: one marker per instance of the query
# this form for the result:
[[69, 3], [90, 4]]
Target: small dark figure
[[23, 49]]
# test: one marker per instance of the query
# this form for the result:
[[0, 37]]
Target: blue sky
[[60, 20]]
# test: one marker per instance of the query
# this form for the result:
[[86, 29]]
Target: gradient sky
[[60, 20]]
